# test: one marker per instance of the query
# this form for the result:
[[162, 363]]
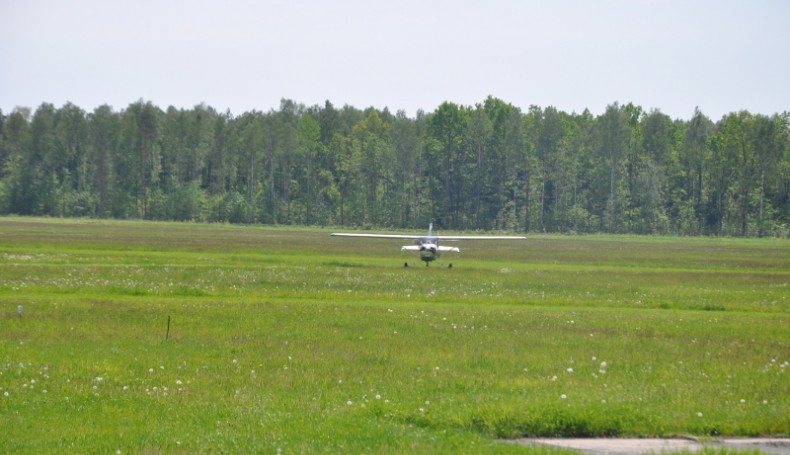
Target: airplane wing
[[481, 237], [440, 237], [377, 236]]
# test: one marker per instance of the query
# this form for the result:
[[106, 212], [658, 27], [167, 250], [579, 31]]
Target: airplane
[[427, 246]]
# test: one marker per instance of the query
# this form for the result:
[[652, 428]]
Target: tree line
[[490, 166]]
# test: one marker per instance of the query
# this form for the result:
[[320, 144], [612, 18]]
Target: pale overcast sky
[[672, 55]]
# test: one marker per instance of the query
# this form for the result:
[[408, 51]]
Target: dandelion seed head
[[564, 397], [349, 403]]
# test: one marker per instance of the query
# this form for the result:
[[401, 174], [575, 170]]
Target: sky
[[721, 56]]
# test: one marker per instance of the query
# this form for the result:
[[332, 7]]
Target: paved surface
[[617, 446]]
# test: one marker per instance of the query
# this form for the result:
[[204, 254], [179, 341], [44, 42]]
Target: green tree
[[649, 196], [549, 152], [693, 158], [612, 135], [139, 158], [32, 181], [770, 138], [448, 160], [407, 147], [309, 148]]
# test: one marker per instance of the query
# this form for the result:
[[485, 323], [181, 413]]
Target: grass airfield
[[292, 341]]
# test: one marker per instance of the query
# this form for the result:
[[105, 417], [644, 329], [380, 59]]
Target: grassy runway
[[293, 341]]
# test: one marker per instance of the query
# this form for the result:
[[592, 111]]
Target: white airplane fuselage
[[429, 249]]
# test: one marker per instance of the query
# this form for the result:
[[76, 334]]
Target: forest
[[491, 166]]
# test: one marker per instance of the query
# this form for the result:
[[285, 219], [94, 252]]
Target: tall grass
[[294, 341]]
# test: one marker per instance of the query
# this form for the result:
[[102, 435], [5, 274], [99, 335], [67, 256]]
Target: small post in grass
[[19, 310], [167, 335]]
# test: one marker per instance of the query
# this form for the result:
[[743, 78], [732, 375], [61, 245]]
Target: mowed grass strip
[[295, 341]]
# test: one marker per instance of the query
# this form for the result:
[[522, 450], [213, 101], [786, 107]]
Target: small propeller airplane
[[428, 245]]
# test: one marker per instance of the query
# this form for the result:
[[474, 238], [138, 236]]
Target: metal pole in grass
[[167, 335], [19, 310]]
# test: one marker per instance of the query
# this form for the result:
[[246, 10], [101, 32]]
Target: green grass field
[[293, 341]]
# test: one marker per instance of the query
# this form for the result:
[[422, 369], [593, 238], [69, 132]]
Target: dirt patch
[[617, 446]]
